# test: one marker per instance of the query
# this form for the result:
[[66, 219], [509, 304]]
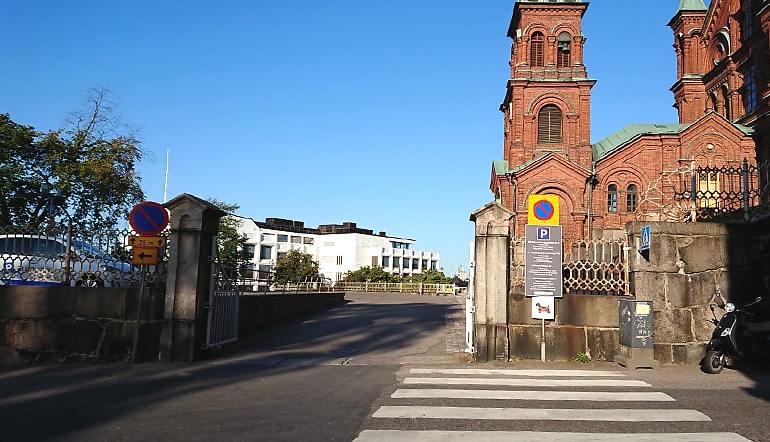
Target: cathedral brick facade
[[721, 92]]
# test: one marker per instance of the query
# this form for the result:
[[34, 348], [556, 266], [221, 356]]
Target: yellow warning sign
[[147, 242], [543, 209]]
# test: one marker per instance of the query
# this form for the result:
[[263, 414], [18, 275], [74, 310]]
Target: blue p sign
[[544, 233]]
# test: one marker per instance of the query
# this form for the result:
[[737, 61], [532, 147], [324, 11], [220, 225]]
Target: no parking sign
[[543, 209]]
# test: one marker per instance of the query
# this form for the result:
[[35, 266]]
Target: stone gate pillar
[[193, 224], [490, 282]]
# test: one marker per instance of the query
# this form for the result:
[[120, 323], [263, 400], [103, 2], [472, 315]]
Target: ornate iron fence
[[591, 267], [61, 255], [726, 193]]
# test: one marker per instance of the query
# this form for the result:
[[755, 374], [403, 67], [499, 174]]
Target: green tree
[[84, 171], [295, 267], [429, 277], [232, 245], [373, 274]]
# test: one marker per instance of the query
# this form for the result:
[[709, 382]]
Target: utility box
[[635, 321]]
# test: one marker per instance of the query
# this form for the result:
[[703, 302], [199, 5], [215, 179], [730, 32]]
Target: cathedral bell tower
[[548, 99]]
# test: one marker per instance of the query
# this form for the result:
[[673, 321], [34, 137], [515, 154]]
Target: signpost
[[147, 219], [543, 259]]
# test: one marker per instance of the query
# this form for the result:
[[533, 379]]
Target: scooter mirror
[[759, 298]]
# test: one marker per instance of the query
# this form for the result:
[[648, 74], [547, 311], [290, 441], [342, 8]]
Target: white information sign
[[543, 261]]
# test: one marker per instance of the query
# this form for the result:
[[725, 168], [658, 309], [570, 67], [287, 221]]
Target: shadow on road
[[50, 402]]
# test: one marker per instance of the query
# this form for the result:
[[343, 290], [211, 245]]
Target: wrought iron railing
[[727, 193], [61, 255], [590, 267]]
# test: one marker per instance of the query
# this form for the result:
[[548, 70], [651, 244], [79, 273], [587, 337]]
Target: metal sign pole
[[542, 340], [143, 269]]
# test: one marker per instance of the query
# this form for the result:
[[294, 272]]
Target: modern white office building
[[337, 248]]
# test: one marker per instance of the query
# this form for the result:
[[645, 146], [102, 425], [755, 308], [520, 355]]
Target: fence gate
[[222, 306]]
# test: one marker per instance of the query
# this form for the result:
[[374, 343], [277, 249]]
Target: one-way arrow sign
[[140, 256]]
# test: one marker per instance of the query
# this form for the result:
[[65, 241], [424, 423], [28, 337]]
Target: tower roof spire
[[692, 5]]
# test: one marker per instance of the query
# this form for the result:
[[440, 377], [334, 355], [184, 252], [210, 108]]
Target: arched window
[[549, 125], [631, 198], [536, 45], [563, 50], [612, 198]]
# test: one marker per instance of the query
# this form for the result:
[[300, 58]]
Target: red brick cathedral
[[721, 93]]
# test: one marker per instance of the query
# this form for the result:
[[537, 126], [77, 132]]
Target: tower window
[[751, 89], [563, 51], [631, 198], [612, 198], [748, 23], [549, 125], [536, 49]]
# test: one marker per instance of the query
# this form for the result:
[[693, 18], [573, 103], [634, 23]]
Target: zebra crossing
[[517, 398]]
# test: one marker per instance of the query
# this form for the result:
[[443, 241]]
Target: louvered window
[[563, 51], [536, 49], [549, 125]]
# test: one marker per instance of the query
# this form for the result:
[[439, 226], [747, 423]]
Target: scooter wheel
[[713, 362]]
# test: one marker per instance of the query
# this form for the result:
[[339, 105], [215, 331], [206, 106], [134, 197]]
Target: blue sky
[[381, 113]]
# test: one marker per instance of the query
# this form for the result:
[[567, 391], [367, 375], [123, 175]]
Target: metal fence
[[726, 193], [60, 255], [395, 287]]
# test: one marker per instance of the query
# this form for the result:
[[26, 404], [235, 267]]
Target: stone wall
[[686, 263], [60, 324], [260, 310], [582, 324]]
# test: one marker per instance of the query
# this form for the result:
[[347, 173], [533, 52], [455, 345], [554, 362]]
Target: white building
[[337, 248]]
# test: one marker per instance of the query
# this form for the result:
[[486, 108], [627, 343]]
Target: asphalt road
[[322, 379]]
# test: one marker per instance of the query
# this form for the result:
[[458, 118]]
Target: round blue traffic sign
[[543, 210], [148, 218]]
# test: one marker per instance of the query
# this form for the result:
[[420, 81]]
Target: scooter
[[738, 335]]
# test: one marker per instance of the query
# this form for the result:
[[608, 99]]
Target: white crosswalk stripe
[[580, 395], [539, 436]]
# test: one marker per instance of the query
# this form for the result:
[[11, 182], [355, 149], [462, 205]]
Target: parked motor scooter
[[739, 334]]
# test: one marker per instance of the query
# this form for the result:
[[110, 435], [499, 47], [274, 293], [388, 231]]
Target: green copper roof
[[500, 167], [620, 138], [692, 5]]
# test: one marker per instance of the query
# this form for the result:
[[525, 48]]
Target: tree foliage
[[232, 245], [377, 274], [84, 171], [372, 274], [429, 277], [295, 267]]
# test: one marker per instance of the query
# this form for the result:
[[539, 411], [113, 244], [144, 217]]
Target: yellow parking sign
[[543, 209]]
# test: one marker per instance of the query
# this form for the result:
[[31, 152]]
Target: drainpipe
[[590, 183], [512, 223]]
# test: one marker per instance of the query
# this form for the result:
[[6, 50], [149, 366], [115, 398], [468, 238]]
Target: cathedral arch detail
[[557, 98]]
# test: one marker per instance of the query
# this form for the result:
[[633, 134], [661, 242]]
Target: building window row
[[405, 263], [612, 198]]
